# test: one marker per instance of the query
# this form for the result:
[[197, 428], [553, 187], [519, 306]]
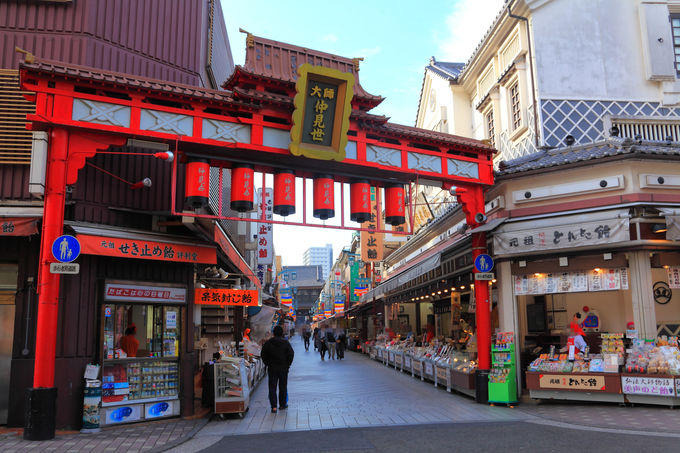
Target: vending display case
[[232, 386], [503, 375]]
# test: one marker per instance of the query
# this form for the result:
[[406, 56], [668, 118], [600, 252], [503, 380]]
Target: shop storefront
[[587, 271], [142, 333]]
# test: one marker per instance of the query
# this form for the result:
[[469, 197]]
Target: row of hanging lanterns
[[242, 193]]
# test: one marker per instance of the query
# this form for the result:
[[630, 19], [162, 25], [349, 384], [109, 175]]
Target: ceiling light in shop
[[597, 269], [439, 292], [493, 281], [462, 286]]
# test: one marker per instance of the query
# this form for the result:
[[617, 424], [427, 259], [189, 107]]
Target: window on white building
[[490, 127], [675, 29], [515, 108]]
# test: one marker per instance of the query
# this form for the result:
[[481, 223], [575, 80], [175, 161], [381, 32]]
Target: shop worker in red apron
[[128, 342], [578, 333], [278, 354]]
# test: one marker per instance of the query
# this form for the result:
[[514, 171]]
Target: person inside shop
[[278, 355], [246, 335], [429, 333], [577, 333], [128, 343]]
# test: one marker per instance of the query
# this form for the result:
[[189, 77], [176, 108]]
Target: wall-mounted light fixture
[[659, 228]]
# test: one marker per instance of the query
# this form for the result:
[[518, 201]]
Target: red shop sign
[[237, 297], [148, 250]]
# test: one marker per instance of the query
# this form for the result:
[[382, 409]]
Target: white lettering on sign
[[64, 268], [484, 276]]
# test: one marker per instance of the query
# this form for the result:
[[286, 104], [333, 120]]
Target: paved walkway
[[353, 393]]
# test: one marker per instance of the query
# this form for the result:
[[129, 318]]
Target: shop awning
[[19, 220], [126, 243], [490, 225], [585, 229], [672, 223], [234, 256], [395, 282], [18, 226]]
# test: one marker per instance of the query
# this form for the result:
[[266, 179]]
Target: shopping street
[[360, 404]]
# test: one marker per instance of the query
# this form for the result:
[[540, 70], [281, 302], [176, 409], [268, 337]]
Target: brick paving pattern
[[146, 437], [353, 393]]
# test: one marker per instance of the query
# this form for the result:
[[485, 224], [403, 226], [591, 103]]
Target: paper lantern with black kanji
[[360, 201], [242, 187], [197, 183], [284, 192], [395, 213], [324, 192]]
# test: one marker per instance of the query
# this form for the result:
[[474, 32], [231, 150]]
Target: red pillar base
[[41, 413]]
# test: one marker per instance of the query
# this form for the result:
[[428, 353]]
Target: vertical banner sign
[[261, 269], [339, 294], [354, 280], [264, 230], [321, 116], [372, 242]]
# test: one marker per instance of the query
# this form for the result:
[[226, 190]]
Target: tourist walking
[[306, 334], [330, 343], [278, 354], [342, 344], [316, 339]]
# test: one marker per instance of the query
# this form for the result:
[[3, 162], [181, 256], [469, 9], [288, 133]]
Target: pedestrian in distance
[[330, 343], [316, 339], [323, 345], [342, 344], [278, 355], [305, 336]]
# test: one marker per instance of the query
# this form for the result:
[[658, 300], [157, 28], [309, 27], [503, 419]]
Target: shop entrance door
[[8, 279]]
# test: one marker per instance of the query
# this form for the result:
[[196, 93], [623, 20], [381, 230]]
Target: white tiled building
[[319, 256], [584, 65]]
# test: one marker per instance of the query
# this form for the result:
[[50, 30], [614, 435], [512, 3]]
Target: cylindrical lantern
[[284, 192], [242, 187], [394, 204], [360, 201], [197, 183], [324, 192]]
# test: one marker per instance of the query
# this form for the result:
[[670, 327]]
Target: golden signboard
[[572, 382], [323, 104]]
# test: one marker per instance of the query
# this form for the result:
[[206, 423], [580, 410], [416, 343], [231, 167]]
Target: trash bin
[[92, 397], [482, 386]]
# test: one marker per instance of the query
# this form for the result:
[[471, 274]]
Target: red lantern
[[284, 192], [197, 183], [324, 192], [242, 187], [360, 201], [395, 214]]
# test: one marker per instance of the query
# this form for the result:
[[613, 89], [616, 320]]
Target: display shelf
[[232, 389], [503, 374]]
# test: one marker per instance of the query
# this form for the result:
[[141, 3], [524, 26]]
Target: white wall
[[590, 49]]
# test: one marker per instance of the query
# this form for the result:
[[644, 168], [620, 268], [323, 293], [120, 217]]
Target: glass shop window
[[141, 331]]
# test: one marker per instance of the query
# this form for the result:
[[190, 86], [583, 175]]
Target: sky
[[396, 38]]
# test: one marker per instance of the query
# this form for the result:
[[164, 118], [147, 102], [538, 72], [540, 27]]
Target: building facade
[[319, 256], [184, 44]]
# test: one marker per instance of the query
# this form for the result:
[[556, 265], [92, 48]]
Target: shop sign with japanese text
[[372, 242], [149, 250], [643, 385], [143, 293], [215, 296], [265, 235], [572, 382], [571, 282], [561, 236], [21, 226], [321, 115]]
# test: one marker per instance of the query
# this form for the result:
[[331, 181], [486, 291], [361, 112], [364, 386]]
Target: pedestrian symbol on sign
[[483, 263], [65, 248]]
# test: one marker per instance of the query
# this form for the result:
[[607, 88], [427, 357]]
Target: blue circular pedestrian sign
[[483, 263], [65, 248]]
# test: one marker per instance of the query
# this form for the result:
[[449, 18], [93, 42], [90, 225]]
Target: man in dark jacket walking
[[278, 354]]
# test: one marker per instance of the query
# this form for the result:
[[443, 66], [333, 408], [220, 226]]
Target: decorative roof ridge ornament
[[250, 39], [356, 62]]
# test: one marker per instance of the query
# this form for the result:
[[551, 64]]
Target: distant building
[[321, 256], [307, 282]]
